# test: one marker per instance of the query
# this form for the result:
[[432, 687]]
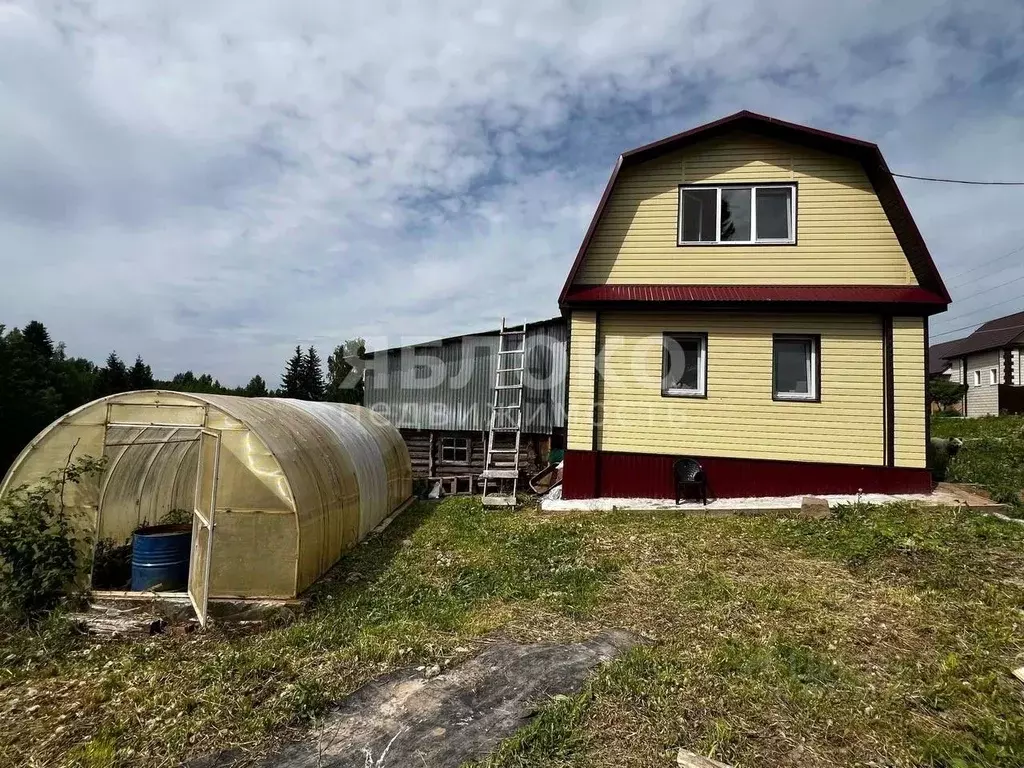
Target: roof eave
[[910, 309]]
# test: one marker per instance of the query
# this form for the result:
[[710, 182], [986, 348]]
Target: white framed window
[[731, 214], [977, 378], [455, 450], [796, 371], [684, 364], [993, 375]]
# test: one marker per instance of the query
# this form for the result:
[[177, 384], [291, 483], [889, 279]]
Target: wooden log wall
[[425, 453]]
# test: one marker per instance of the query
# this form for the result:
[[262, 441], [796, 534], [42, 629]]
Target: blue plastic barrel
[[160, 556]]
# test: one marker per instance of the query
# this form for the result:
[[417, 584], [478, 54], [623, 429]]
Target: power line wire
[[971, 325], [973, 267], [970, 296], [961, 181], [991, 330], [982, 309]]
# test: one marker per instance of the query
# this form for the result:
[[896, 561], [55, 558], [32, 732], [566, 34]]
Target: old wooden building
[[440, 394]]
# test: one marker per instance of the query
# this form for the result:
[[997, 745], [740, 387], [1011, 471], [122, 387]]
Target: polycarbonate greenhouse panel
[[297, 483]]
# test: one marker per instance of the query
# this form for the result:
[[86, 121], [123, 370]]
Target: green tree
[[291, 382], [29, 399], [141, 375], [76, 379], [313, 376], [38, 338], [946, 393], [189, 382], [183, 382], [113, 377], [256, 387], [345, 372]]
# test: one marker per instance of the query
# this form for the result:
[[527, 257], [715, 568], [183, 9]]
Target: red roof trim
[[867, 153], [847, 294]]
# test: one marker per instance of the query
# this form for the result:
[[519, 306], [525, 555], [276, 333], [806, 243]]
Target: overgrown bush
[[112, 565], [176, 516], [40, 553]]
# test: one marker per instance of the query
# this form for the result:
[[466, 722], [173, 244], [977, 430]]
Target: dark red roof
[[719, 294], [867, 153], [993, 334]]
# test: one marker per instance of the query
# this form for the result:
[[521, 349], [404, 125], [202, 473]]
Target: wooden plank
[[430, 454]]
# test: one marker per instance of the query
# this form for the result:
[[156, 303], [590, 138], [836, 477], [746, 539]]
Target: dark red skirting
[[596, 474]]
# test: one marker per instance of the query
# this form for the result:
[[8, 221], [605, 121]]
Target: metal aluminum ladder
[[501, 472]]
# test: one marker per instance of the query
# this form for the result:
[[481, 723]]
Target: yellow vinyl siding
[[739, 418], [908, 391], [843, 235], [582, 354]]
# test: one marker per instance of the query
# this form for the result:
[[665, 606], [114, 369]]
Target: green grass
[[882, 636], [992, 455], [440, 577]]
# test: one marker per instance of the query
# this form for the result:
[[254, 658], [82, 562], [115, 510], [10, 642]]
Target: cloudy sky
[[209, 183]]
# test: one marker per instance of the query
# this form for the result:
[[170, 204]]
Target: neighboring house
[[439, 394], [939, 365], [755, 294], [989, 362]]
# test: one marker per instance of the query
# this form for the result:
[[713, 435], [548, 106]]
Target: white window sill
[[683, 393], [798, 398], [688, 243]]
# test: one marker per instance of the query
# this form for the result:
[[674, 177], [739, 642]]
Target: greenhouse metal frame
[[276, 489]]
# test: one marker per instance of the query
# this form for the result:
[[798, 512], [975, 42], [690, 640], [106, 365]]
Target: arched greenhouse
[[277, 489]]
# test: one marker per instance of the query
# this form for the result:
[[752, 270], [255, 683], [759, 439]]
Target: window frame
[[701, 393], [792, 240], [814, 379], [977, 377], [993, 375], [467, 447]]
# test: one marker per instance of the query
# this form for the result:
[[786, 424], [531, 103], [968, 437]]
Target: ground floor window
[[684, 364], [455, 450], [795, 367]]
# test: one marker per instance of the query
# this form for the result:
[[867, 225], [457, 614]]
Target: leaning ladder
[[501, 472]]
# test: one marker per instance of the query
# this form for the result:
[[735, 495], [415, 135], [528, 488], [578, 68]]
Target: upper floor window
[[734, 215]]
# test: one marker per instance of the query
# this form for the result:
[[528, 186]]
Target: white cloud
[[210, 183]]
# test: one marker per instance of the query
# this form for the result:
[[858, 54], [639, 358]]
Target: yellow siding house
[[753, 294]]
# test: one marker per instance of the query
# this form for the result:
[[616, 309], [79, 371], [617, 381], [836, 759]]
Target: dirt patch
[[429, 717]]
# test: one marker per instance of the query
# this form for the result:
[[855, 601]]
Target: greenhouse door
[[203, 524]]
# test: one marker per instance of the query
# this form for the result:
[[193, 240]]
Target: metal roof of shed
[[447, 384]]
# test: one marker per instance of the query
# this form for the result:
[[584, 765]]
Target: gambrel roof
[[930, 294]]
